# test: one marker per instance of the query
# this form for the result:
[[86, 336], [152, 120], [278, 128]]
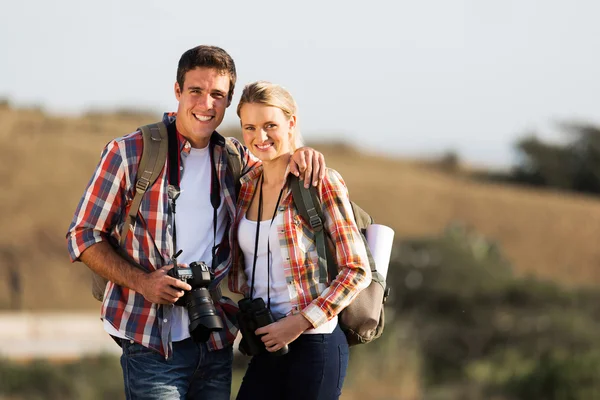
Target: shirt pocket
[[304, 235]]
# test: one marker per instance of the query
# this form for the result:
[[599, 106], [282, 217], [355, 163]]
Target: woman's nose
[[263, 135]]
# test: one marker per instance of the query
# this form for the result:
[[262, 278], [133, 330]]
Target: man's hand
[[282, 332], [309, 165], [159, 288], [156, 287]]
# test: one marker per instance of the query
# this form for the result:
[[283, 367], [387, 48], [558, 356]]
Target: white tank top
[[280, 298]]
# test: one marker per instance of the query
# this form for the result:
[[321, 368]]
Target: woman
[[275, 259]]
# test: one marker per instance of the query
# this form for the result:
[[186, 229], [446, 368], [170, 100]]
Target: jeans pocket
[[133, 349], [344, 352], [314, 338]]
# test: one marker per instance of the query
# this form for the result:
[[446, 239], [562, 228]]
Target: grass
[[47, 161]]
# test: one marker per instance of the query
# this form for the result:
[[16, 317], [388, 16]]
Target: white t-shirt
[[194, 227]]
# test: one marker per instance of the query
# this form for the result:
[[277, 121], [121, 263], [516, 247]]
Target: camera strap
[[259, 218], [215, 201], [174, 175]]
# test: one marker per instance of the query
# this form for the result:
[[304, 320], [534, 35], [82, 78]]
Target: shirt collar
[[252, 175]]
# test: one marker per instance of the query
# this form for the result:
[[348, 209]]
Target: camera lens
[[203, 315]]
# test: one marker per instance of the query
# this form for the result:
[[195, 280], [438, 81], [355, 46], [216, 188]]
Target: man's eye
[[249, 128], [218, 95], [271, 126]]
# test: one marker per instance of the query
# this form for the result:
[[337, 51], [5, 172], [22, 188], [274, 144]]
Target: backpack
[[363, 320], [154, 154]]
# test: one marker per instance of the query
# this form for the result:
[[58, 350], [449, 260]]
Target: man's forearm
[[104, 260]]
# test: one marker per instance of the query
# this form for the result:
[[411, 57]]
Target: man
[[160, 360]]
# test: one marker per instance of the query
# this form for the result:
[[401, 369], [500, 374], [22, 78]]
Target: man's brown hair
[[207, 57]]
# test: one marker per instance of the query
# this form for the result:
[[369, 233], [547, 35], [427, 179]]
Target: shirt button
[[165, 320], [181, 168], [131, 341]]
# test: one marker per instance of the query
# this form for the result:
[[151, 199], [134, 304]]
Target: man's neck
[[196, 144]]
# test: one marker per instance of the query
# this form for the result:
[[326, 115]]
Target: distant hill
[[47, 161]]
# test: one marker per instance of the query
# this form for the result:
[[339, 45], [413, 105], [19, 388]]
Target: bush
[[475, 322], [559, 375]]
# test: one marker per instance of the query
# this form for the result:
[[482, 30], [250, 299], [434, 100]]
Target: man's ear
[[177, 91]]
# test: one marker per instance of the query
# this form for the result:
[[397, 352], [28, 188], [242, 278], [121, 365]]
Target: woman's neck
[[273, 170]]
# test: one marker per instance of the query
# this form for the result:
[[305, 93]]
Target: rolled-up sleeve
[[354, 273], [101, 206]]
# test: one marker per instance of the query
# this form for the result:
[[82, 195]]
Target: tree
[[571, 166]]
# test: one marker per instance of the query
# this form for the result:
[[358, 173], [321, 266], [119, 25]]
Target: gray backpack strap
[[154, 156], [363, 320], [309, 206]]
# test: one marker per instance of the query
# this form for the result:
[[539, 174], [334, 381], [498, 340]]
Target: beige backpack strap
[[154, 157], [234, 162]]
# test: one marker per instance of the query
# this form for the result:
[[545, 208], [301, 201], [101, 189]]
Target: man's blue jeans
[[192, 373]]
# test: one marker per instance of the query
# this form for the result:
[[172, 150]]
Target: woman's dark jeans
[[314, 368]]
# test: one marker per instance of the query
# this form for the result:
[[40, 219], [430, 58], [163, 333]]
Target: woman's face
[[267, 132]]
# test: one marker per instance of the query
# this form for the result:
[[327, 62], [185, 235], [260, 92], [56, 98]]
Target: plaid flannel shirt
[[317, 301], [100, 216]]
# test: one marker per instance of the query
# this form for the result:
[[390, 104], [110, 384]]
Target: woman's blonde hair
[[272, 95]]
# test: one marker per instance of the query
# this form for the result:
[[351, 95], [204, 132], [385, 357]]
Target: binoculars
[[254, 314]]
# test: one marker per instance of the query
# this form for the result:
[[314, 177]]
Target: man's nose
[[206, 101]]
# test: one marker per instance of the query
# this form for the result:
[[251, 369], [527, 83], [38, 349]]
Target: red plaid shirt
[[317, 301], [100, 216]]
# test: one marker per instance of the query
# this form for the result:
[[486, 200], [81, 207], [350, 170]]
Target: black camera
[[203, 316], [254, 314]]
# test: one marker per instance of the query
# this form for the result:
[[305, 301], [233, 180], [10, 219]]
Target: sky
[[407, 78]]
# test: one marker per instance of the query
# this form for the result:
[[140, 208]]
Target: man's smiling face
[[202, 103]]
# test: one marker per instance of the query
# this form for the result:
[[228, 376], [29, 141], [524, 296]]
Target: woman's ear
[[292, 130]]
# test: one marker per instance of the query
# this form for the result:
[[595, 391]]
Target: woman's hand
[[282, 332]]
